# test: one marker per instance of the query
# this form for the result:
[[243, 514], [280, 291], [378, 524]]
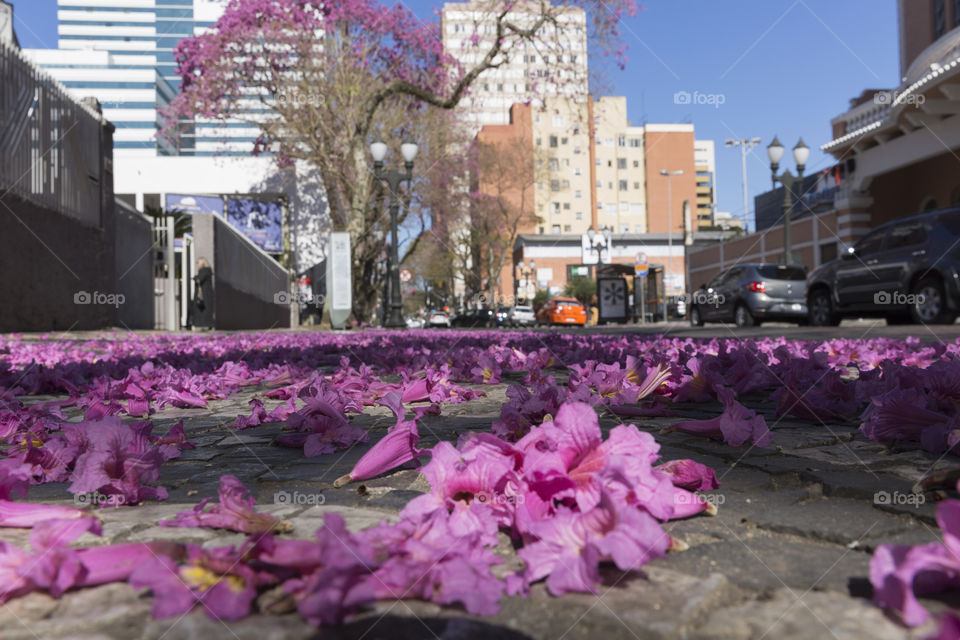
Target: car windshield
[[524, 309], [781, 272]]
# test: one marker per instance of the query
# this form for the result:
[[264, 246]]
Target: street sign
[[640, 267], [406, 276], [339, 280]]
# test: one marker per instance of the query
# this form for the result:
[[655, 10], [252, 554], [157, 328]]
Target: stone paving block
[[759, 561], [198, 626], [111, 610], [817, 615]]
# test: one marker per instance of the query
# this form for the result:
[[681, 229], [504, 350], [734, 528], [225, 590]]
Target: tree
[[582, 288], [503, 204], [319, 80]]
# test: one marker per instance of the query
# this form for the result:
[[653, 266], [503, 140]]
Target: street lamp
[[600, 240], [801, 153], [393, 178], [669, 174], [528, 287], [746, 144]]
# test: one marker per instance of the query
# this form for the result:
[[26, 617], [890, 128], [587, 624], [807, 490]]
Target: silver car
[[521, 316], [749, 294]]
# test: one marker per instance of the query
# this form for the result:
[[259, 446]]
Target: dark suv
[[904, 270], [748, 294]]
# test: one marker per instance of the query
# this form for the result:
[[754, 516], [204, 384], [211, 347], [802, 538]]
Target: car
[[502, 316], [475, 318], [438, 319], [905, 270], [521, 316], [414, 323], [567, 311], [750, 293]]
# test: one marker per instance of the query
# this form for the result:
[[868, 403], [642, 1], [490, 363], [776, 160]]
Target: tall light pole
[[745, 144], [393, 178], [801, 153], [669, 174]]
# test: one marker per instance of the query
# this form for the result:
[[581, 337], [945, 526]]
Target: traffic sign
[[640, 267], [405, 275]]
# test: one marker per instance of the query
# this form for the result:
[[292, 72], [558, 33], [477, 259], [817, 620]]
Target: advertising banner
[[194, 204], [259, 220]]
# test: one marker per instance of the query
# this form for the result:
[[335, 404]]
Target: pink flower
[[234, 512], [735, 425]]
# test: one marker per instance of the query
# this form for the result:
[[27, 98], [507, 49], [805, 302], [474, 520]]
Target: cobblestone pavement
[[785, 557]]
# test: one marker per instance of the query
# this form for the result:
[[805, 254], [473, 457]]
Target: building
[[556, 66], [601, 176], [105, 49], [726, 220], [705, 163], [896, 152]]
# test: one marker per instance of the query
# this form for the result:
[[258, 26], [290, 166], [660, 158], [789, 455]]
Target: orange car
[[562, 311]]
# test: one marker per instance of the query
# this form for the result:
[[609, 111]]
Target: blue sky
[[782, 67]]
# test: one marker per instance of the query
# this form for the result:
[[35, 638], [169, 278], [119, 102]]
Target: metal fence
[[50, 144]]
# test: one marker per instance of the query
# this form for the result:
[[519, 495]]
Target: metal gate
[[164, 275]]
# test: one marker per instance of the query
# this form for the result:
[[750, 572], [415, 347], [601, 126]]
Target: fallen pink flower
[[735, 425], [234, 512], [26, 514]]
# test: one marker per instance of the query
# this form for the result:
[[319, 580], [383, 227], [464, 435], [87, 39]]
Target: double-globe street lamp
[[801, 153], [524, 285], [393, 178], [601, 240]]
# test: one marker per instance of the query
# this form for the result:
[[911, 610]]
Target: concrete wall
[[245, 279], [133, 261]]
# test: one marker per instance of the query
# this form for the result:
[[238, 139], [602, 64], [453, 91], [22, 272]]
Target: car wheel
[[931, 303], [695, 319], [821, 312], [743, 318]]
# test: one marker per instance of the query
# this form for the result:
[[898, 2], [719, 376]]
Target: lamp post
[[801, 153], [669, 174], [601, 240], [746, 144], [525, 275], [393, 178]]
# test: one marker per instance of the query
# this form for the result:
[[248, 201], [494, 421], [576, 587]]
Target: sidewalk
[[785, 557]]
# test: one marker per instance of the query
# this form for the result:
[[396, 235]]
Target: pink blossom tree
[[320, 80]]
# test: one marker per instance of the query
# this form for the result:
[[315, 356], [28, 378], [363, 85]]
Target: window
[[610, 185], [556, 207], [539, 141], [624, 228], [573, 59], [939, 18], [541, 230], [566, 206], [579, 216], [558, 121], [500, 88], [634, 142], [553, 141], [576, 171], [636, 185], [624, 207], [563, 141], [638, 229], [566, 162], [536, 119], [554, 185], [555, 228], [599, 206], [636, 163], [576, 150], [598, 162], [623, 185], [554, 164], [611, 208], [621, 163], [566, 184], [782, 272], [609, 163], [566, 228], [905, 235], [599, 184], [871, 243], [621, 141]]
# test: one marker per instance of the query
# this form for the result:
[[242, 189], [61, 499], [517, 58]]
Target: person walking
[[202, 306]]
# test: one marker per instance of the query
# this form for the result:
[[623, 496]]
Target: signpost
[[640, 271], [339, 281], [406, 276]]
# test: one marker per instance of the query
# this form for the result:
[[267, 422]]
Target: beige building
[[704, 159], [600, 184], [555, 65]]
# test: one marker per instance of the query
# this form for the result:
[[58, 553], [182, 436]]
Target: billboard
[[194, 204], [259, 220]]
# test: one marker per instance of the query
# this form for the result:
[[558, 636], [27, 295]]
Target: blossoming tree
[[319, 80]]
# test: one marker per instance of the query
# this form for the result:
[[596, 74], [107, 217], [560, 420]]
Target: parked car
[[414, 323], [904, 270], [502, 316], [521, 316], [748, 294], [476, 318], [562, 311], [438, 319]]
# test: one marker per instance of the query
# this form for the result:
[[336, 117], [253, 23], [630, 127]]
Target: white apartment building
[[705, 160], [555, 65]]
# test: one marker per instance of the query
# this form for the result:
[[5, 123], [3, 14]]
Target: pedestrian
[[202, 306]]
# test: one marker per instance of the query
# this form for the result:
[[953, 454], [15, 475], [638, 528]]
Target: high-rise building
[[121, 53], [705, 163], [556, 65]]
